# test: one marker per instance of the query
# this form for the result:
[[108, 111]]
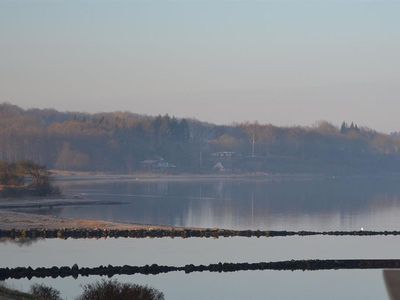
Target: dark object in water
[[292, 265], [183, 233]]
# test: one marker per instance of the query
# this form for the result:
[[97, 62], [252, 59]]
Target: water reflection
[[178, 251], [20, 242], [326, 204]]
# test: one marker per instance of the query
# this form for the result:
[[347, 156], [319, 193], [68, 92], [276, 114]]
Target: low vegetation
[[44, 292], [25, 178], [114, 290], [100, 290]]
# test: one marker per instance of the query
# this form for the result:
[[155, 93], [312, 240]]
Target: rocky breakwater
[[292, 265], [77, 233]]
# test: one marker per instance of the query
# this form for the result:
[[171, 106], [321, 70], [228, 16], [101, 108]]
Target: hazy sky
[[280, 62]]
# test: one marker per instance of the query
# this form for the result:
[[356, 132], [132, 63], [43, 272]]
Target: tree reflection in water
[[21, 242]]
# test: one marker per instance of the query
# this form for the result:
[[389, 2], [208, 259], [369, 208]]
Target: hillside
[[127, 142]]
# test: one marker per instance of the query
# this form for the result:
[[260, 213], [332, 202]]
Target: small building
[[219, 167], [164, 165], [157, 164], [224, 154]]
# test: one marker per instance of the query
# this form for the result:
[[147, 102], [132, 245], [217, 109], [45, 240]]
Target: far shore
[[60, 175], [93, 177]]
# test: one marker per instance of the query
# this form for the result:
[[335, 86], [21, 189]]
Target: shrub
[[43, 292], [114, 290]]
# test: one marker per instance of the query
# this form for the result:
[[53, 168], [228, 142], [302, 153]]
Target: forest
[[124, 142]]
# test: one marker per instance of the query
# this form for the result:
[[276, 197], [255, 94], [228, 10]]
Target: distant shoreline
[[71, 175], [65, 174], [86, 177]]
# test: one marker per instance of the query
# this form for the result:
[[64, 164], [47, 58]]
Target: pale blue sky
[[280, 62]]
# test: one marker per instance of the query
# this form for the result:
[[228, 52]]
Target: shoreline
[[18, 221], [60, 176], [67, 176], [15, 225]]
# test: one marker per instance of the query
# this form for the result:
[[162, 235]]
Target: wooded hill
[[127, 142]]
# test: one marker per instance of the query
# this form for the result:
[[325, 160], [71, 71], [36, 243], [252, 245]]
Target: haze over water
[[321, 204]]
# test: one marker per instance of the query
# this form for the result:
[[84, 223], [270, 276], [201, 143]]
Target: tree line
[[121, 141]]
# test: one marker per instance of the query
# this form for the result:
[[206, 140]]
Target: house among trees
[[224, 154], [219, 167], [122, 142], [157, 164], [224, 161]]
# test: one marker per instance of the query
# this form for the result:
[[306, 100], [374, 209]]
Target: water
[[355, 284], [253, 285], [325, 204], [178, 251]]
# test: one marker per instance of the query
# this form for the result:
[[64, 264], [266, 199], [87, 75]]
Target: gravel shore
[[24, 221]]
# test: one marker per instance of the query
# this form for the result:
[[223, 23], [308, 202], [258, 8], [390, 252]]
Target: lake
[[323, 204]]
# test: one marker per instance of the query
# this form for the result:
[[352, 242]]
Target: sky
[[280, 62]]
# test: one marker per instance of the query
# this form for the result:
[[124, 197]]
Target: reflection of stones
[[183, 233], [75, 270], [392, 281], [21, 242]]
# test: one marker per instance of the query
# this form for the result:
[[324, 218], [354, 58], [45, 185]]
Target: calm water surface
[[326, 204], [354, 284]]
